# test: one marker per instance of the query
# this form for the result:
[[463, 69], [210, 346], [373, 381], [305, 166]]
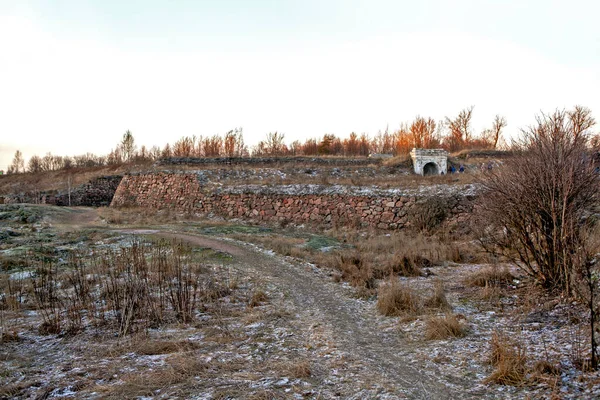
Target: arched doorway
[[431, 168]]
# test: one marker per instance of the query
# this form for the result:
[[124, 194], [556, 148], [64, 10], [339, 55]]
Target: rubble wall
[[95, 193], [312, 204]]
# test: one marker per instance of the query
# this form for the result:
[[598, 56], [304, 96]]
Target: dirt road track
[[354, 328]]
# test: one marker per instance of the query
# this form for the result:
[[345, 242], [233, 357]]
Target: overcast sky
[[76, 74]]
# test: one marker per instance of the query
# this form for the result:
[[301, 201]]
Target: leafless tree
[[18, 163], [274, 145], [35, 164], [536, 208], [128, 146], [460, 129], [498, 125], [581, 119], [533, 205]]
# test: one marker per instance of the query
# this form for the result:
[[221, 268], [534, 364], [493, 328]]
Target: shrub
[[395, 299], [509, 360], [438, 299], [532, 208], [428, 214], [448, 326], [491, 276]]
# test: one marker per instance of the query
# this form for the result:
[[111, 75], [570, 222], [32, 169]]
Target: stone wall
[[313, 204], [268, 161], [95, 193]]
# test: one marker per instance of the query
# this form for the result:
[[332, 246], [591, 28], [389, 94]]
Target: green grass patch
[[317, 242]]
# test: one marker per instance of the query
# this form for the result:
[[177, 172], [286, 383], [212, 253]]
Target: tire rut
[[354, 328]]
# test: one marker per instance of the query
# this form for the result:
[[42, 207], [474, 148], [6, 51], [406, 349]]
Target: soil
[[353, 352]]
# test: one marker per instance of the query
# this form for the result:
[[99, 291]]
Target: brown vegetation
[[491, 276], [445, 327], [508, 358], [396, 299]]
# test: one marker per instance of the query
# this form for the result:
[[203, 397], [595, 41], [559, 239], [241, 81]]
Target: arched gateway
[[429, 161]]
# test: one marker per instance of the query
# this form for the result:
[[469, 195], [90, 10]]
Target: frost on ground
[[286, 329]]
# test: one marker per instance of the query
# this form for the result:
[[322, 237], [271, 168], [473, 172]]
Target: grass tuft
[[490, 276], [448, 326], [438, 299], [509, 360], [396, 299]]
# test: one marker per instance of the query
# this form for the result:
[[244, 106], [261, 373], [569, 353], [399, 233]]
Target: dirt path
[[353, 325]]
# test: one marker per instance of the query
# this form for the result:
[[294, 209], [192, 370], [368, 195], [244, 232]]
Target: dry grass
[[129, 290], [137, 216], [491, 276], [396, 299], [297, 369], [509, 360], [438, 299], [258, 297], [448, 326], [377, 256], [14, 390], [180, 369], [544, 367], [9, 336], [58, 180], [152, 347]]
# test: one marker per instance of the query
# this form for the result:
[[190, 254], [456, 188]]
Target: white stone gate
[[430, 161]]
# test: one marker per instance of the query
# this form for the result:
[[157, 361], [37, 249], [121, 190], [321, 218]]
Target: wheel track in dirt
[[355, 329], [323, 301]]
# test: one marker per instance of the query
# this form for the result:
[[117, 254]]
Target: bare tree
[[581, 119], [460, 129], [274, 145], [18, 163], [128, 146], [533, 206], [535, 210], [497, 127], [35, 164], [422, 132], [233, 143], [184, 147]]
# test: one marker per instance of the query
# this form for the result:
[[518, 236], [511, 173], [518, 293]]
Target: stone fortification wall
[[314, 204], [95, 193], [267, 161]]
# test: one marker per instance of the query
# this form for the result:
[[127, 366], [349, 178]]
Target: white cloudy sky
[[75, 74]]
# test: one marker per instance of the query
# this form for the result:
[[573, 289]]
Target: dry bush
[[509, 360], [438, 299], [427, 215], [448, 326], [492, 276], [531, 209], [9, 336], [133, 288], [396, 299], [544, 367]]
